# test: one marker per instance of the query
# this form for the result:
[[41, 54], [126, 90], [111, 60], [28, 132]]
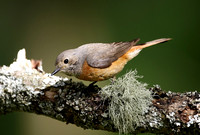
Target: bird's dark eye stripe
[[66, 61]]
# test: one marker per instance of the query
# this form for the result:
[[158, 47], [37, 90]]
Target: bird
[[99, 61]]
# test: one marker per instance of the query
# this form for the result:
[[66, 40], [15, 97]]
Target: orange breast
[[96, 74]]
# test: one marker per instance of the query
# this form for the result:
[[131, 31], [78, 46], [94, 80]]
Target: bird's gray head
[[66, 62]]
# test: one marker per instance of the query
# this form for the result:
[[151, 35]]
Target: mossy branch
[[126, 106]]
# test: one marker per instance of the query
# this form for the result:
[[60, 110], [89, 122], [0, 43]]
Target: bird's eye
[[66, 61]]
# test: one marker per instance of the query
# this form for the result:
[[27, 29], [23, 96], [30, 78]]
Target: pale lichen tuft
[[130, 100]]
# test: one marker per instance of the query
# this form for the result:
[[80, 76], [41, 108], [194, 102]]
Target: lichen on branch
[[130, 100]]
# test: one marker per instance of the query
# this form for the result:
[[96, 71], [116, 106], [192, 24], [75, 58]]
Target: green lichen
[[130, 100]]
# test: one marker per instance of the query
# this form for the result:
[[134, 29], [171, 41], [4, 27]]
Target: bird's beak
[[55, 71]]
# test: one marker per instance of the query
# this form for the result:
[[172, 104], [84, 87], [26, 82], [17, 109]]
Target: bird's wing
[[103, 55]]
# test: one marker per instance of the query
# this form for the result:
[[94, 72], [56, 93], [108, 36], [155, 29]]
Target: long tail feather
[[150, 43]]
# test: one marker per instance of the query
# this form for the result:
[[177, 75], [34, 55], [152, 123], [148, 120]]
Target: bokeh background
[[46, 28]]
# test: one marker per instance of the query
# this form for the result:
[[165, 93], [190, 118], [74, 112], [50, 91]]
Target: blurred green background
[[46, 28]]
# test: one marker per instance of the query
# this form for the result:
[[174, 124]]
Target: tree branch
[[25, 87]]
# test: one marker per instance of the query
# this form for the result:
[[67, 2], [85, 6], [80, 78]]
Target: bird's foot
[[92, 84], [90, 88]]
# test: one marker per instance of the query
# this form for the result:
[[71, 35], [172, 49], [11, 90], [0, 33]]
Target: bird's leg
[[90, 88], [91, 84]]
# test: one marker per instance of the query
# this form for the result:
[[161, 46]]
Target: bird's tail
[[154, 42], [134, 51]]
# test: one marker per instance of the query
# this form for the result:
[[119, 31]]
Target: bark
[[25, 87]]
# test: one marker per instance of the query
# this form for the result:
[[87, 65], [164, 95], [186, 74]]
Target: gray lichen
[[181, 110], [21, 86], [129, 102], [33, 79]]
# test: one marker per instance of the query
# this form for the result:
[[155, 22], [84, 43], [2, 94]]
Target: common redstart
[[99, 61]]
